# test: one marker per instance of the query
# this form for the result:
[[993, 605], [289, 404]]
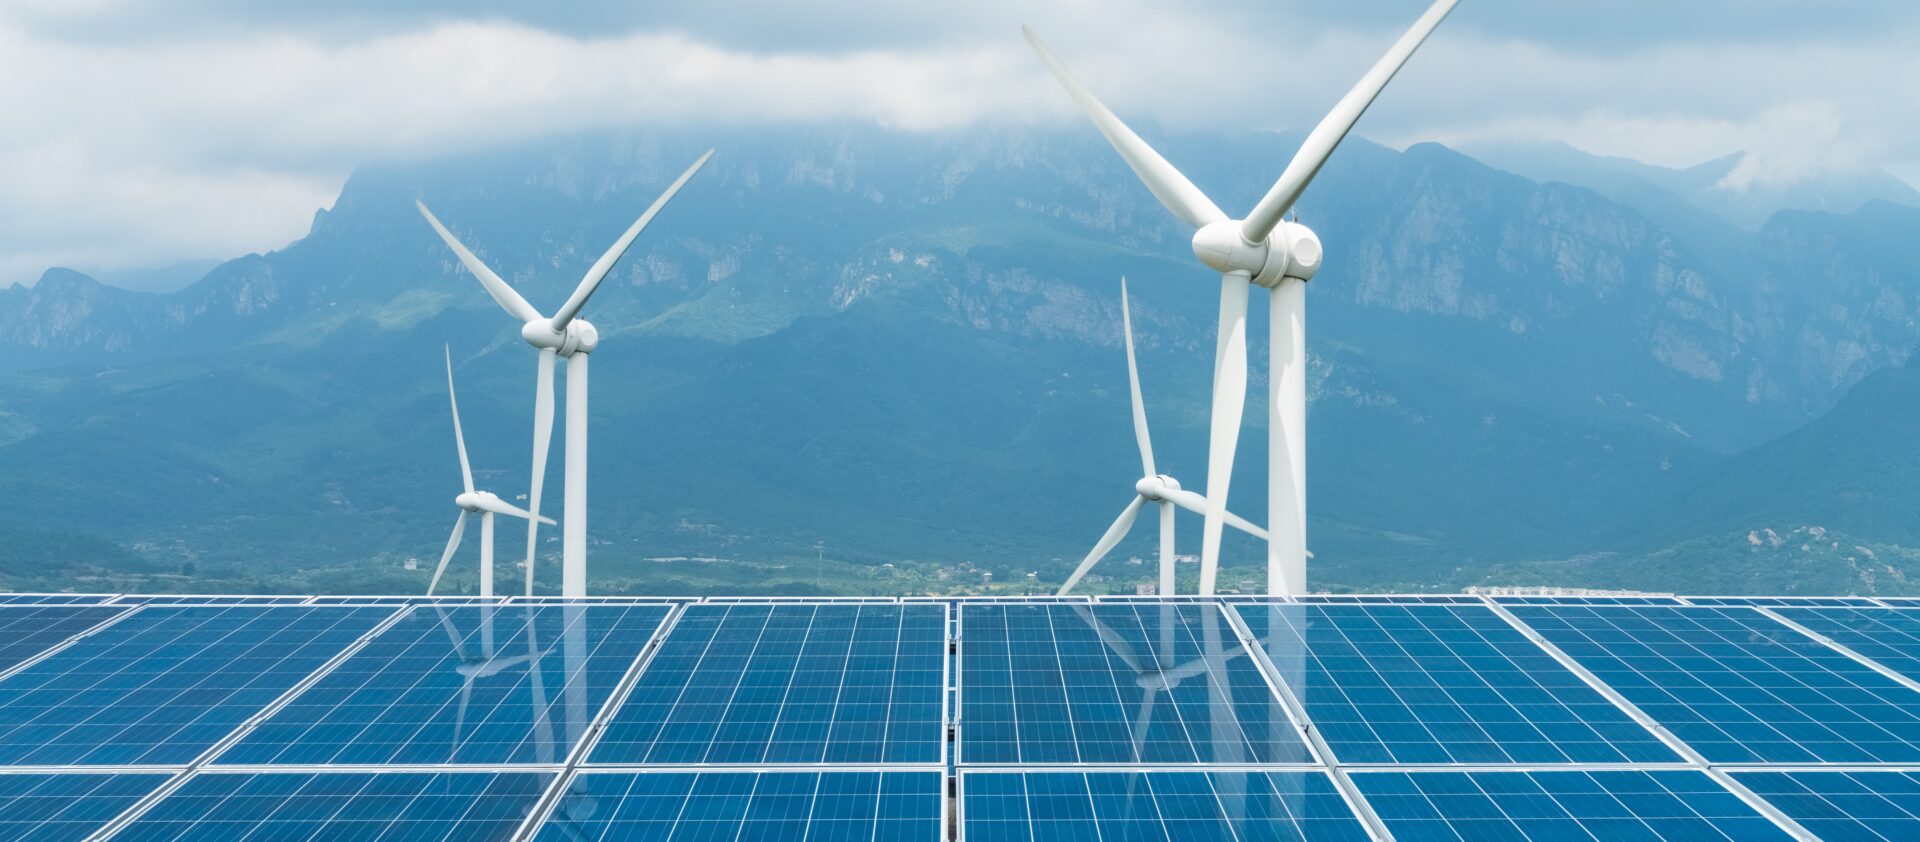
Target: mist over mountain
[[860, 346]]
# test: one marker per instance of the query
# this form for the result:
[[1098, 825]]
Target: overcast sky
[[142, 132]]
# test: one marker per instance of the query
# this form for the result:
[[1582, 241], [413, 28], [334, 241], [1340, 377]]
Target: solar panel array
[[1241, 718]]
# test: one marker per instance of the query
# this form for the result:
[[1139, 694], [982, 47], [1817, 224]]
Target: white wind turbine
[[1153, 487], [470, 502], [1267, 250], [563, 334]]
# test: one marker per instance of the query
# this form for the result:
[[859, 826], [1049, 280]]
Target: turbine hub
[[1291, 251], [471, 500], [1155, 488], [580, 337]]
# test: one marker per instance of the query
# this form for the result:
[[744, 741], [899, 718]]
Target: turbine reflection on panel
[[471, 501], [1153, 487], [1267, 250], [563, 334]]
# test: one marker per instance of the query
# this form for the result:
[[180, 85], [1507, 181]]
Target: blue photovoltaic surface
[[53, 598], [1844, 805], [410, 806], [1737, 686], [188, 599], [36, 807], [486, 685], [1586, 600], [1093, 806], [1441, 684], [1572, 804], [1434, 599], [1781, 601], [1890, 636], [166, 683], [787, 683], [682, 806], [1115, 683], [28, 630]]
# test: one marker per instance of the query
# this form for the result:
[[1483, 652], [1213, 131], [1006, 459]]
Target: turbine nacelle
[[1291, 251], [1155, 488], [579, 337]]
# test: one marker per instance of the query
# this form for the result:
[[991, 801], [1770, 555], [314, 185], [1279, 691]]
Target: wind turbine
[[470, 502], [1153, 487], [563, 334], [1267, 250]]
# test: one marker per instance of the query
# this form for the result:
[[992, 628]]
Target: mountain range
[[848, 358]]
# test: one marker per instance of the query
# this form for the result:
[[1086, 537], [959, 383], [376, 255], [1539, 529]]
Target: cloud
[[142, 133]]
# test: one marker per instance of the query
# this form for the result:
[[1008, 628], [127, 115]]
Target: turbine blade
[[604, 265], [502, 507], [542, 438], [453, 543], [459, 441], [1333, 128], [1197, 504], [1229, 401], [1114, 533], [503, 294], [1168, 185], [1133, 382]]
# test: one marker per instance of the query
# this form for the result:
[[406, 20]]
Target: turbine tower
[[1264, 249], [1153, 487], [564, 334], [470, 502]]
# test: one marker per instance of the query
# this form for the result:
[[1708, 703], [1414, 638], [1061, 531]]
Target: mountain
[[844, 347], [1723, 187]]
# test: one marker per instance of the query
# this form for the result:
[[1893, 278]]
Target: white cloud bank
[[146, 151]]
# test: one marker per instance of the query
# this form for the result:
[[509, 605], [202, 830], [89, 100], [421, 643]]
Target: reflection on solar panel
[[1737, 686], [491, 685], [192, 599], [1587, 600], [997, 806], [1781, 601], [747, 683], [1441, 684], [1890, 636], [1844, 805], [167, 683], [676, 806], [408, 806], [28, 630], [1437, 599], [36, 807], [1115, 683], [1677, 804]]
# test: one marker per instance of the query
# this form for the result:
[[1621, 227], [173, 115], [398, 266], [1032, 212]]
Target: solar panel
[[1441, 599], [409, 806], [166, 683], [789, 683], [1781, 601], [675, 806], [406, 600], [35, 807], [208, 599], [1240, 805], [491, 684], [28, 630], [1572, 804], [1737, 686], [1844, 805], [53, 598], [1415, 683], [1587, 600], [1115, 683], [1890, 636]]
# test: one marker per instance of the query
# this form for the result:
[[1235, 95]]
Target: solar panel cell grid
[[788, 683], [1844, 805], [1050, 806], [53, 598], [37, 807], [488, 685], [1441, 684], [676, 806], [409, 806], [1115, 683], [1737, 686], [166, 683], [1600, 805], [1890, 636], [28, 630]]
